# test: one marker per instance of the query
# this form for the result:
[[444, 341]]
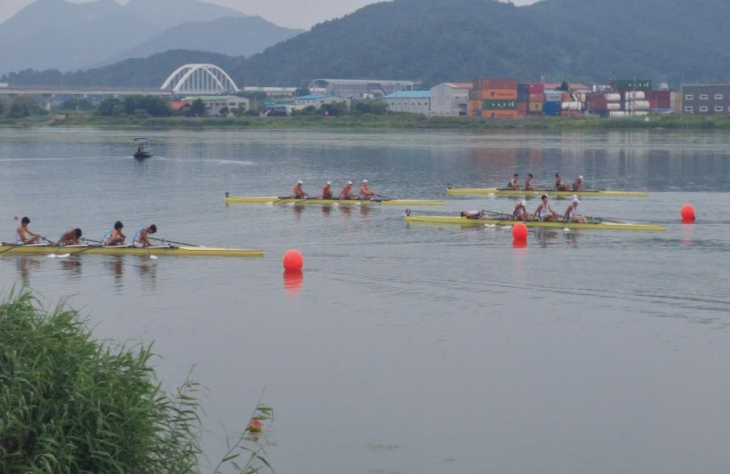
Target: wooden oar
[[12, 247]]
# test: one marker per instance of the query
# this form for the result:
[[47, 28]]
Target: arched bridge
[[200, 79]]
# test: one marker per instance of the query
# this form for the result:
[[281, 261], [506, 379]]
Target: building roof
[[409, 95], [459, 85], [315, 97], [209, 98]]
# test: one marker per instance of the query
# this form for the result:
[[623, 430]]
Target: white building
[[317, 101], [415, 102], [450, 99], [215, 103]]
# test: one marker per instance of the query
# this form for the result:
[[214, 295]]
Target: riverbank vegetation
[[137, 112], [72, 404]]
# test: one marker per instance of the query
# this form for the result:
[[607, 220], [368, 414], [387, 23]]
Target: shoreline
[[378, 122]]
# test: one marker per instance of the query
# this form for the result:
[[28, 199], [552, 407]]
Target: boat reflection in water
[[72, 266], [147, 268], [115, 266], [25, 267]]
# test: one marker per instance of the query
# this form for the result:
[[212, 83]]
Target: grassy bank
[[380, 122], [70, 403]]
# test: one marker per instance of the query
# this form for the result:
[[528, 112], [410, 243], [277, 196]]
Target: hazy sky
[[291, 13]]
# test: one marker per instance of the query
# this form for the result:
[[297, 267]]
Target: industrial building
[[706, 99], [415, 102], [360, 88], [450, 99], [317, 101], [215, 103]]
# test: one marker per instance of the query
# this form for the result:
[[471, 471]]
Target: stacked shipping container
[[493, 98]]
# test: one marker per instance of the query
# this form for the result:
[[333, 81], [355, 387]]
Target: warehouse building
[[215, 103], [317, 101], [450, 99], [414, 102], [706, 99], [360, 88]]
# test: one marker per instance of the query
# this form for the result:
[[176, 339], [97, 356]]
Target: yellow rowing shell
[[343, 202], [464, 221], [167, 251], [540, 192]]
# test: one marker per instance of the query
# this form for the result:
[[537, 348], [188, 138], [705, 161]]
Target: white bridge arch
[[200, 79]]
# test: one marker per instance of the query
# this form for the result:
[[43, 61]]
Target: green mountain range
[[436, 40]]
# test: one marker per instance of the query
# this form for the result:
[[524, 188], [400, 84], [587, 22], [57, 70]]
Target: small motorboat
[[141, 152]]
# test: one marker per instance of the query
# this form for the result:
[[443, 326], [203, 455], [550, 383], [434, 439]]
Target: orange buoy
[[519, 232], [688, 214], [293, 261]]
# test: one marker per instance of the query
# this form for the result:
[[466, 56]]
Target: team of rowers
[[544, 212], [364, 193], [114, 237], [559, 185]]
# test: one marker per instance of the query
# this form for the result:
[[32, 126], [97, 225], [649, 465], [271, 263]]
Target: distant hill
[[168, 13], [434, 41], [231, 36], [58, 34]]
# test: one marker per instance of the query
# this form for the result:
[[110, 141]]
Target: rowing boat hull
[[9, 250], [328, 202], [538, 193], [463, 221]]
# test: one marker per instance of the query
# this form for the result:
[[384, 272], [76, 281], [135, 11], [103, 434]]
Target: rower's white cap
[[580, 178], [300, 182], [575, 198], [364, 181], [329, 183], [524, 203], [350, 183]]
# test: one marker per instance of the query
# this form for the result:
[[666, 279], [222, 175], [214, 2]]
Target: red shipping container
[[522, 114], [536, 88], [498, 94], [521, 106], [534, 113], [537, 98], [492, 83]]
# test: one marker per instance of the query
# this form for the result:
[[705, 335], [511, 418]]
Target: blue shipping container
[[552, 109]]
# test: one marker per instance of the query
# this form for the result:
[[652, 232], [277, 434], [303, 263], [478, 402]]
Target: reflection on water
[[147, 269], [25, 267], [293, 281], [71, 266], [115, 266]]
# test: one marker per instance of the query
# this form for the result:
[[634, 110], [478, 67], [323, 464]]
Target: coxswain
[[521, 213], [142, 237], [326, 191], [544, 212], [578, 184], [70, 237], [297, 192], [513, 183], [559, 185], [365, 191], [24, 235], [571, 214], [528, 183], [346, 193], [116, 237]]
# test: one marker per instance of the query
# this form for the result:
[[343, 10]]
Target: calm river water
[[408, 349]]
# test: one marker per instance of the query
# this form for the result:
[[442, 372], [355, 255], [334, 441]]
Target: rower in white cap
[[346, 193], [578, 184], [571, 214], [365, 191], [521, 213], [298, 192], [326, 191]]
